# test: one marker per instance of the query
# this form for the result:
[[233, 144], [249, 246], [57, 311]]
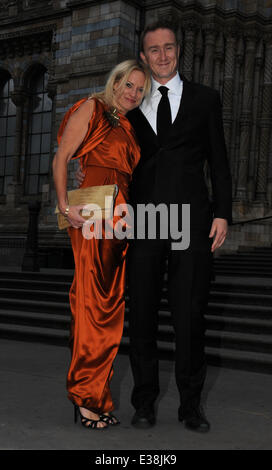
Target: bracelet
[[66, 212]]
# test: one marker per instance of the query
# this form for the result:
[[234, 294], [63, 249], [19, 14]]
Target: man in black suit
[[179, 128]]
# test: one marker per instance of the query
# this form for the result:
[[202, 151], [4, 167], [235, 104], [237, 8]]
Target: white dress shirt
[[149, 105]]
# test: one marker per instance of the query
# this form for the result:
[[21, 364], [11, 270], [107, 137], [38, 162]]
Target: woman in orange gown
[[108, 151]]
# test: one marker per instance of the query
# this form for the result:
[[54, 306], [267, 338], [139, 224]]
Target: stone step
[[51, 275], [220, 284], [246, 285], [241, 311], [230, 271], [35, 305], [33, 284], [245, 360], [243, 264], [264, 263], [60, 293], [260, 343], [246, 256], [50, 319], [35, 295], [59, 303], [217, 338], [35, 334], [242, 325], [241, 298], [45, 320]]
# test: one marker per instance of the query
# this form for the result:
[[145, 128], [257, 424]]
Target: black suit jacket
[[174, 173]]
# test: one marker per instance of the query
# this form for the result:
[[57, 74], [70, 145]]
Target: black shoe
[[195, 420], [144, 418]]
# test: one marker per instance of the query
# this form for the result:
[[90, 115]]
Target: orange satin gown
[[108, 155]]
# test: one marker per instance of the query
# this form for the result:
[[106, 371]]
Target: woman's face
[[131, 94]]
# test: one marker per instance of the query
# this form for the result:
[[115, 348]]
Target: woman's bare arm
[[72, 137]]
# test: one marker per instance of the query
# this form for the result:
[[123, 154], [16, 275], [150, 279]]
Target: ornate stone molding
[[246, 116], [265, 127], [19, 45], [29, 32], [19, 97], [188, 53], [27, 4], [209, 41], [4, 4]]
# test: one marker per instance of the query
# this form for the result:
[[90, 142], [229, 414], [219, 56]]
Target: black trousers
[[189, 275]]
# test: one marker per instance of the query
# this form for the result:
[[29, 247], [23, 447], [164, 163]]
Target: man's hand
[[80, 175], [218, 232]]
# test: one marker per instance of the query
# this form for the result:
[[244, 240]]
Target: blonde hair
[[120, 73]]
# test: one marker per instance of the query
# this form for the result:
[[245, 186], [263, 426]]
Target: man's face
[[161, 54]]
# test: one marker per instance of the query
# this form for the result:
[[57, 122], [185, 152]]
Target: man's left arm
[[220, 174]]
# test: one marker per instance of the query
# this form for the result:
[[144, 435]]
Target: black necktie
[[164, 119]]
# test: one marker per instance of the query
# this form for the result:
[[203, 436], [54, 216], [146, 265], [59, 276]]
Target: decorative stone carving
[[228, 86], [188, 51], [27, 4], [218, 60], [29, 44], [256, 106], [199, 49], [5, 4], [208, 56], [237, 94], [18, 97], [246, 119], [265, 127]]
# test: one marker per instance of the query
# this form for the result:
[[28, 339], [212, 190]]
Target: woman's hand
[[74, 217]]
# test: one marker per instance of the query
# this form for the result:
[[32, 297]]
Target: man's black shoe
[[144, 418], [195, 420]]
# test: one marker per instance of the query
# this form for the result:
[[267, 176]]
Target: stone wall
[[226, 44]]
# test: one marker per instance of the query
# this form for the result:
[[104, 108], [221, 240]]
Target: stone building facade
[[54, 52]]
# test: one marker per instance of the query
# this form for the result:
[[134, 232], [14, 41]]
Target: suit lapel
[[141, 124], [185, 103]]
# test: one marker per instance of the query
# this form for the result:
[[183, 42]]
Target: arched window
[[39, 133], [7, 131]]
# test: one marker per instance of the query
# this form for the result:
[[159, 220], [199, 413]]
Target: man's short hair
[[159, 24]]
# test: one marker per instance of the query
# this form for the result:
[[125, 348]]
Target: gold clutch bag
[[102, 196]]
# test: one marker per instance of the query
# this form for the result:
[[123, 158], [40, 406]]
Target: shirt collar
[[174, 85]]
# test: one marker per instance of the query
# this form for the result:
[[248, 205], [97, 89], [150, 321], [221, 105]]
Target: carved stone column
[[49, 187], [237, 93], [265, 126], [18, 97], [254, 150], [15, 188], [198, 55], [188, 51], [218, 59], [229, 86], [246, 120], [208, 56], [31, 256]]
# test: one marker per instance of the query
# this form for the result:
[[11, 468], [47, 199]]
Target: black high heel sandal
[[109, 419], [92, 423]]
